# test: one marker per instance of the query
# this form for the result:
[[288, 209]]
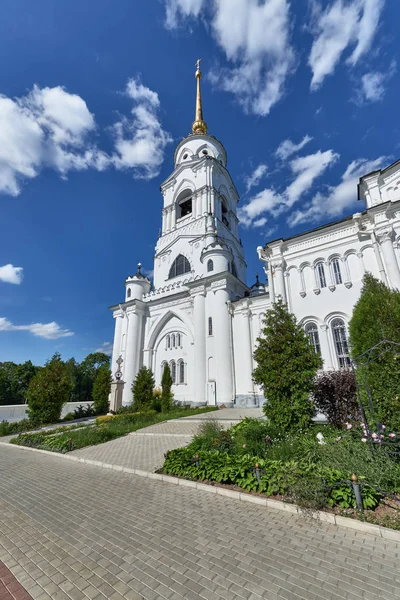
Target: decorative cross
[[118, 373], [198, 61]]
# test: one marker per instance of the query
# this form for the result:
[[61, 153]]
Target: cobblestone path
[[71, 531]]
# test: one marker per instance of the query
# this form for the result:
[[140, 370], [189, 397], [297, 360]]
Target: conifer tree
[[166, 385], [101, 390], [376, 317], [286, 369], [142, 389], [48, 391]]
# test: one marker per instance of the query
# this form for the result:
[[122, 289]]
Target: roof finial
[[199, 126], [139, 266]]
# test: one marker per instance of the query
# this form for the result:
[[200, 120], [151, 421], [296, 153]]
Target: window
[[311, 330], [172, 366], [321, 274], [181, 371], [340, 340], [224, 212], [178, 340], [163, 365], [337, 276], [180, 266], [129, 292], [185, 156], [233, 269], [210, 265], [210, 326], [168, 343], [205, 152], [185, 208], [173, 341]]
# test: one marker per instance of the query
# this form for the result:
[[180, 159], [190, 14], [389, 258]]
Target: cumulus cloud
[[11, 274], [52, 128], [337, 198], [342, 24], [287, 147], [255, 37], [306, 170], [105, 348], [49, 331], [373, 85], [254, 178], [140, 141]]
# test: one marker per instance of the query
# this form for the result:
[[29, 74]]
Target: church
[[201, 317]]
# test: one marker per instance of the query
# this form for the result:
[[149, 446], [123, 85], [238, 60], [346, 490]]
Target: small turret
[[137, 285], [257, 288]]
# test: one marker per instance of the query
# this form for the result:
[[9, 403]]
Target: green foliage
[[7, 428], [335, 395], [156, 404], [376, 317], [166, 394], [212, 436], [83, 412], [14, 381], [142, 389], [48, 391], [101, 390], [286, 369]]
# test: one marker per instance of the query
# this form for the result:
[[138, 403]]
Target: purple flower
[[349, 425], [365, 432], [364, 440], [392, 435], [383, 427], [362, 425], [374, 436], [338, 439]]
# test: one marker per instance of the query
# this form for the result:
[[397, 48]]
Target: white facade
[[204, 320]]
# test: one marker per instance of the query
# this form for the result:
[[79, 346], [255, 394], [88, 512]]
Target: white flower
[[320, 438]]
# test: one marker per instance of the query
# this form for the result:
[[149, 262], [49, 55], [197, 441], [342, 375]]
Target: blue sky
[[95, 96]]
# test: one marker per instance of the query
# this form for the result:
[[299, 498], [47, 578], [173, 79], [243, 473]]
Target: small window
[[168, 344], [163, 365], [178, 340], [341, 344], [337, 275], [210, 266], [181, 372], [173, 341], [205, 152], [233, 269], [185, 208], [210, 326], [185, 156], [172, 366], [180, 266], [129, 293], [321, 275], [311, 330], [224, 212]]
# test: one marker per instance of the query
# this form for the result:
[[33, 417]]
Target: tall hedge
[[101, 390], [286, 369], [166, 385], [376, 317], [48, 391], [142, 389]]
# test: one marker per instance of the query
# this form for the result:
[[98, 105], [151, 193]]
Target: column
[[131, 365], [345, 272], [247, 362], [286, 279], [168, 218], [221, 324], [279, 280], [164, 221], [389, 257], [199, 309], [326, 349], [173, 216], [378, 257], [119, 320]]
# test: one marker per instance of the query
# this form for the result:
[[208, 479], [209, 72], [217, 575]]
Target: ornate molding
[[317, 291], [385, 235], [303, 294]]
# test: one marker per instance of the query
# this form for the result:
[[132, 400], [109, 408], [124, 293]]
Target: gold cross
[[198, 64]]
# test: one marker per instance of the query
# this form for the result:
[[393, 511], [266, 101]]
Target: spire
[[199, 126]]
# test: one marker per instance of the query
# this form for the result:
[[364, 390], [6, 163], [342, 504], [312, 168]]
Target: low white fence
[[16, 412]]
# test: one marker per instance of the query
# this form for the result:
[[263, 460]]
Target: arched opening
[[321, 275], [210, 266], [337, 275], [341, 345], [184, 204], [180, 266], [172, 366], [168, 342], [210, 326], [129, 292], [224, 213], [181, 371], [311, 330]]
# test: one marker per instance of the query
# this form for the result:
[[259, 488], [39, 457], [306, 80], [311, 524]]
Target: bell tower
[[199, 233]]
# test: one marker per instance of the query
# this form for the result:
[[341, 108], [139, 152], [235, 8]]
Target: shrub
[[156, 404], [48, 391], [69, 417], [286, 369], [166, 394], [142, 389], [212, 436], [7, 428], [104, 419], [101, 390], [335, 395], [83, 412]]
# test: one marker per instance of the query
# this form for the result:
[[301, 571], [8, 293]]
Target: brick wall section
[[10, 589]]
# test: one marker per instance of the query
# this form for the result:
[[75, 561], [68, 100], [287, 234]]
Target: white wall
[[16, 412]]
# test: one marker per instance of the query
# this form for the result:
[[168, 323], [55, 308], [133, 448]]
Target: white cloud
[[373, 85], [337, 198], [11, 274], [254, 179], [51, 128], [255, 37], [340, 25], [106, 348], [140, 142], [287, 148], [49, 331], [306, 170]]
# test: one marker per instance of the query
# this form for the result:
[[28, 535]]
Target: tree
[[335, 395], [142, 389], [87, 372], [376, 317], [166, 393], [286, 369], [48, 391], [101, 390], [14, 381]]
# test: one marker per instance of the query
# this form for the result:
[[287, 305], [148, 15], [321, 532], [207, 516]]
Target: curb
[[339, 521]]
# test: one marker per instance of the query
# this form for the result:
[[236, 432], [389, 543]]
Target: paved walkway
[[71, 531]]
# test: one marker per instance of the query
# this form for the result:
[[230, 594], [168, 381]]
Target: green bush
[[7, 428], [212, 436], [69, 417], [142, 389], [156, 403], [83, 412], [101, 390], [48, 391], [166, 394]]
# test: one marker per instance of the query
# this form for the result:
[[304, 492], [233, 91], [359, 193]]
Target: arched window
[[340, 340], [178, 340], [311, 330], [321, 274], [337, 275], [180, 266], [210, 265], [234, 271], [172, 366], [184, 204], [181, 371], [168, 343], [129, 293], [163, 365], [173, 341], [224, 212], [210, 326]]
